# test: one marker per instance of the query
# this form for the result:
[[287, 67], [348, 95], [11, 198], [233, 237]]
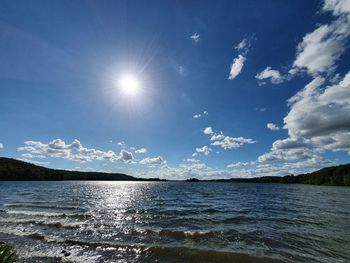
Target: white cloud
[[195, 37], [272, 127], [268, 73], [153, 161], [337, 7], [226, 142], [1, 146], [240, 164], [236, 66], [122, 144], [193, 166], [320, 49], [208, 130], [243, 45], [27, 155], [201, 171], [292, 154], [74, 151], [192, 160], [238, 62], [321, 115], [217, 137], [205, 150], [141, 150], [290, 149], [204, 113]]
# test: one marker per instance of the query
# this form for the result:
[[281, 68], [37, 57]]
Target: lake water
[[175, 222]]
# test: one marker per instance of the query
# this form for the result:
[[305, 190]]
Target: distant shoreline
[[16, 170]]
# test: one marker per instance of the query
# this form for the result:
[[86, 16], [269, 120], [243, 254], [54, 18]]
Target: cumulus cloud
[[268, 73], [319, 50], [74, 151], [205, 150], [236, 66], [226, 142], [141, 150], [273, 127], [321, 115], [290, 149], [125, 156], [195, 37], [153, 161], [1, 146], [208, 130], [292, 154]]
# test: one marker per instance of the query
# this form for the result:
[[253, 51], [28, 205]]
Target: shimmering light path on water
[[175, 222]]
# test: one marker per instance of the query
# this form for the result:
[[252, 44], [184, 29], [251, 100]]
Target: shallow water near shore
[[175, 222]]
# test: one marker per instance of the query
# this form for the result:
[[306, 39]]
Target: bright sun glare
[[129, 85]]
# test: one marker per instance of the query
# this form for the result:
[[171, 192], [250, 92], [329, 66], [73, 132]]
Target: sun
[[129, 85]]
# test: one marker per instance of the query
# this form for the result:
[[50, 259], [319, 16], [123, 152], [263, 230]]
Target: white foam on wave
[[41, 222], [35, 213]]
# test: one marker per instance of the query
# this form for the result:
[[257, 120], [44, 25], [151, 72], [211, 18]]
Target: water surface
[[175, 222]]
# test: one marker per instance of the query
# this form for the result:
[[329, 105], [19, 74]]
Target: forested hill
[[15, 170], [335, 175]]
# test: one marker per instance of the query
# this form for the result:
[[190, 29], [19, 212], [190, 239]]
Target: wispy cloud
[[195, 37], [197, 116]]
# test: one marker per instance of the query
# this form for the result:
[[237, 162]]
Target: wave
[[46, 214], [182, 234], [154, 252], [54, 224], [238, 220], [42, 206], [183, 254]]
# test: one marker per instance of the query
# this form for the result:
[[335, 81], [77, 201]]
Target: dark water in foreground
[[175, 222]]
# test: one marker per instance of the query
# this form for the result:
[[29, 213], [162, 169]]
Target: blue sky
[[223, 88]]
